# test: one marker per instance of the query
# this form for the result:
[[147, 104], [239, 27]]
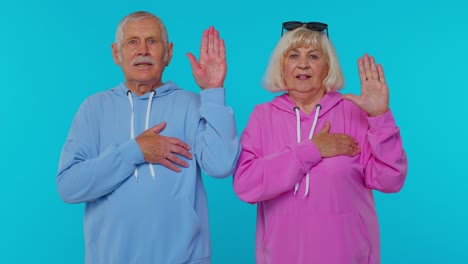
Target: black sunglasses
[[314, 26]]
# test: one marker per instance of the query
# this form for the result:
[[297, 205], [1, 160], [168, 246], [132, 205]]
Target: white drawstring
[[148, 111], [311, 133], [298, 133], [132, 125]]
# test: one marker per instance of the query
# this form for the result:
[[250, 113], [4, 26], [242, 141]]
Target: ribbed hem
[[131, 152], [385, 120], [213, 96], [308, 154]]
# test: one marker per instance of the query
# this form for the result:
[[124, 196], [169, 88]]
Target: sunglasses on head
[[314, 26]]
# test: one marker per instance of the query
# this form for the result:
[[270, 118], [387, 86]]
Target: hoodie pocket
[[317, 238]]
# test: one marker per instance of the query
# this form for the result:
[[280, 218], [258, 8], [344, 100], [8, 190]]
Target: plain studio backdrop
[[53, 54]]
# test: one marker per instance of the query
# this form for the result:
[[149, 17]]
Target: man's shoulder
[[100, 98], [186, 95], [104, 94]]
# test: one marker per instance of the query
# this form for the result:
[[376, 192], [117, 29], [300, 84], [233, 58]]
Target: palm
[[374, 96], [210, 71]]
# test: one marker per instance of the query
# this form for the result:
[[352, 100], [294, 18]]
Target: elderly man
[[134, 153]]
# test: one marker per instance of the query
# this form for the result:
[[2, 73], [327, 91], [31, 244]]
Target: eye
[[132, 42], [151, 41], [293, 56], [313, 57]]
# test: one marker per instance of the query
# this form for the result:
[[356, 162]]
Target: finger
[[326, 128], [367, 67], [381, 74], [375, 74], [344, 139], [362, 71], [178, 142], [211, 39], [222, 49], [178, 161], [181, 151], [346, 145], [349, 141], [216, 42], [204, 42], [193, 61], [159, 127], [352, 151], [166, 163]]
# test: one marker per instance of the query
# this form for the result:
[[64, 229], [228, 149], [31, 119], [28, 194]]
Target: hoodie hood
[[328, 101], [166, 88]]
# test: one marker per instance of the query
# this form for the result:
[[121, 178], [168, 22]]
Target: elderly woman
[[311, 157]]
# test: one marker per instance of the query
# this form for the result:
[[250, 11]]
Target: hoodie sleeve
[[258, 176], [384, 158], [85, 173], [217, 144]]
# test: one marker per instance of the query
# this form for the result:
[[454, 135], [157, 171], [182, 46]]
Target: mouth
[[143, 64], [303, 77]]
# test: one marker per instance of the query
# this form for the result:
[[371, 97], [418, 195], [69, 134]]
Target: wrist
[[378, 113]]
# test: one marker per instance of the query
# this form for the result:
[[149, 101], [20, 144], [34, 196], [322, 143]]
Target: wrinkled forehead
[[142, 26]]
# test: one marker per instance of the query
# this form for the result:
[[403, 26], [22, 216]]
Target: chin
[[146, 77]]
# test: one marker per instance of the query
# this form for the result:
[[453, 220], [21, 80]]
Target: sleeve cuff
[[307, 154], [130, 152], [385, 120], [213, 96]]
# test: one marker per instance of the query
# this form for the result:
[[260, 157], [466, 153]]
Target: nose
[[303, 63], [143, 49]]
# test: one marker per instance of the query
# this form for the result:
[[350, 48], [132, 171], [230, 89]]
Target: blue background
[[53, 54]]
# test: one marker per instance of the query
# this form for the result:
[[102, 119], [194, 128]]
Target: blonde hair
[[273, 79]]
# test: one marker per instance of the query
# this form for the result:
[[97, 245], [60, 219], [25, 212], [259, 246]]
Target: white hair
[[137, 16]]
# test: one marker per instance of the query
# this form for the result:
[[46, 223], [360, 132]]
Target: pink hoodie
[[332, 219]]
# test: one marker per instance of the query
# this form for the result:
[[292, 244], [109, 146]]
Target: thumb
[[325, 129], [193, 61], [159, 127], [353, 98]]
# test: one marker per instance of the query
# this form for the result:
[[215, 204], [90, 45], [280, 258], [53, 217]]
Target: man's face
[[143, 55]]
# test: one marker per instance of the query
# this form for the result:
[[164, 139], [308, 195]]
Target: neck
[[306, 101], [140, 89]]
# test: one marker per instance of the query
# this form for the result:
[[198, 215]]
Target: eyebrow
[[312, 50], [145, 38]]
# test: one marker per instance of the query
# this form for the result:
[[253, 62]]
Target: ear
[[168, 54], [115, 53]]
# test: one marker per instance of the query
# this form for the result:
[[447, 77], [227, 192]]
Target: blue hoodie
[[138, 212]]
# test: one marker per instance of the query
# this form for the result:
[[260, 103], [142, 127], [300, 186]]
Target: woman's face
[[305, 68]]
